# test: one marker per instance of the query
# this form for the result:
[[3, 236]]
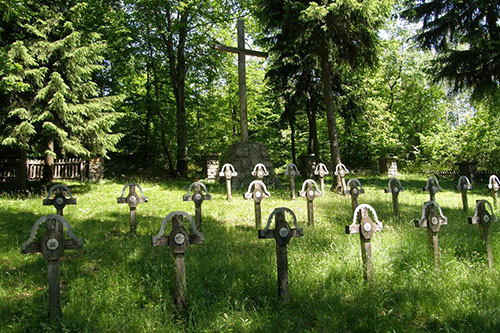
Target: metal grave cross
[[228, 172], [432, 187], [494, 186], [394, 187], [321, 171], [340, 172], [354, 189], [52, 245], [258, 193], [132, 199], [59, 200], [242, 52], [464, 185], [292, 172], [432, 220], [310, 194], [483, 218], [282, 233], [363, 225], [178, 240], [198, 197]]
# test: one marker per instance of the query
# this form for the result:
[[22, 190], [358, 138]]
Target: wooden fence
[[67, 169], [478, 175]]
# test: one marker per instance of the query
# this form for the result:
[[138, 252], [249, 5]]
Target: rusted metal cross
[[178, 240], [432, 219], [258, 193], [363, 225], [198, 197], [354, 189], [463, 186], [52, 245], [132, 199], [228, 172], [483, 218], [282, 233], [310, 193], [292, 172], [394, 187]]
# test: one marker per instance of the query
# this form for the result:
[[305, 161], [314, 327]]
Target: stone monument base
[[244, 156]]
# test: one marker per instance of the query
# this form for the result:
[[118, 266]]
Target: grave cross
[[483, 218], [432, 187], [494, 186], [52, 246], [354, 189], [198, 197], [340, 172], [310, 194], [292, 171], [59, 200], [363, 225], [282, 233], [464, 185], [394, 188], [321, 171], [228, 172], [178, 240], [259, 192], [432, 220], [132, 200], [242, 52]]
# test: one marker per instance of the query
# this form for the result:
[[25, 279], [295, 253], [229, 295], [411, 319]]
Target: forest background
[[140, 83]]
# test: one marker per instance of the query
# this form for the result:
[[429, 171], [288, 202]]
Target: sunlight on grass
[[118, 282]]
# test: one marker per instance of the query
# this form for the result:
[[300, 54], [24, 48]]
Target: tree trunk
[[22, 175], [291, 122], [326, 79], [145, 155], [48, 173], [313, 145]]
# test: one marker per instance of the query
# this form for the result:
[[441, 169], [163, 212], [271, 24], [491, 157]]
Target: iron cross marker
[[340, 172], [258, 193], [310, 194], [494, 186], [52, 246], [228, 172], [292, 172], [260, 171], [132, 199], [463, 186], [62, 197], [321, 171], [178, 240], [394, 188], [242, 52], [282, 233], [363, 225], [198, 197], [483, 218], [432, 187], [432, 220], [354, 189]]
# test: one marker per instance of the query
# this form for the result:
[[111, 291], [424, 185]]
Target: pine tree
[[53, 105]]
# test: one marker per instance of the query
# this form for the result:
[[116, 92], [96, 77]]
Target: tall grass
[[121, 283]]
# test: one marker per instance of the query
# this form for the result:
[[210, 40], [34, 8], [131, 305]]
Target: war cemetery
[[249, 166]]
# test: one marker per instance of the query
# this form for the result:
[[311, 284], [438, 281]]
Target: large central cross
[[242, 52]]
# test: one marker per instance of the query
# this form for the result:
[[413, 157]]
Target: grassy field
[[121, 283]]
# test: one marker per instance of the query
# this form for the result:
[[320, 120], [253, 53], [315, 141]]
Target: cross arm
[[230, 49]]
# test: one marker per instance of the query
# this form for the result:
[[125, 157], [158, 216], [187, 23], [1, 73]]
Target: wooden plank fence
[[64, 169]]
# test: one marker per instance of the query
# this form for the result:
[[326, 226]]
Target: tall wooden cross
[[242, 52]]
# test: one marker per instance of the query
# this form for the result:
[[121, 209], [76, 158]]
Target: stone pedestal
[[212, 165], [307, 164], [388, 165], [244, 156], [96, 169]]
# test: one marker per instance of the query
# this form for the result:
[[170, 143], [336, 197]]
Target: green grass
[[121, 283]]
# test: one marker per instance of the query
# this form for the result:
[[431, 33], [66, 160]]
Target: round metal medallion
[[133, 199], [367, 227], [59, 201], [52, 244], [197, 196], [283, 232], [486, 218], [311, 193], [179, 239], [258, 194], [434, 220]]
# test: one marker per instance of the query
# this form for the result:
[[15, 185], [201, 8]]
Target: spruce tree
[[53, 100]]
